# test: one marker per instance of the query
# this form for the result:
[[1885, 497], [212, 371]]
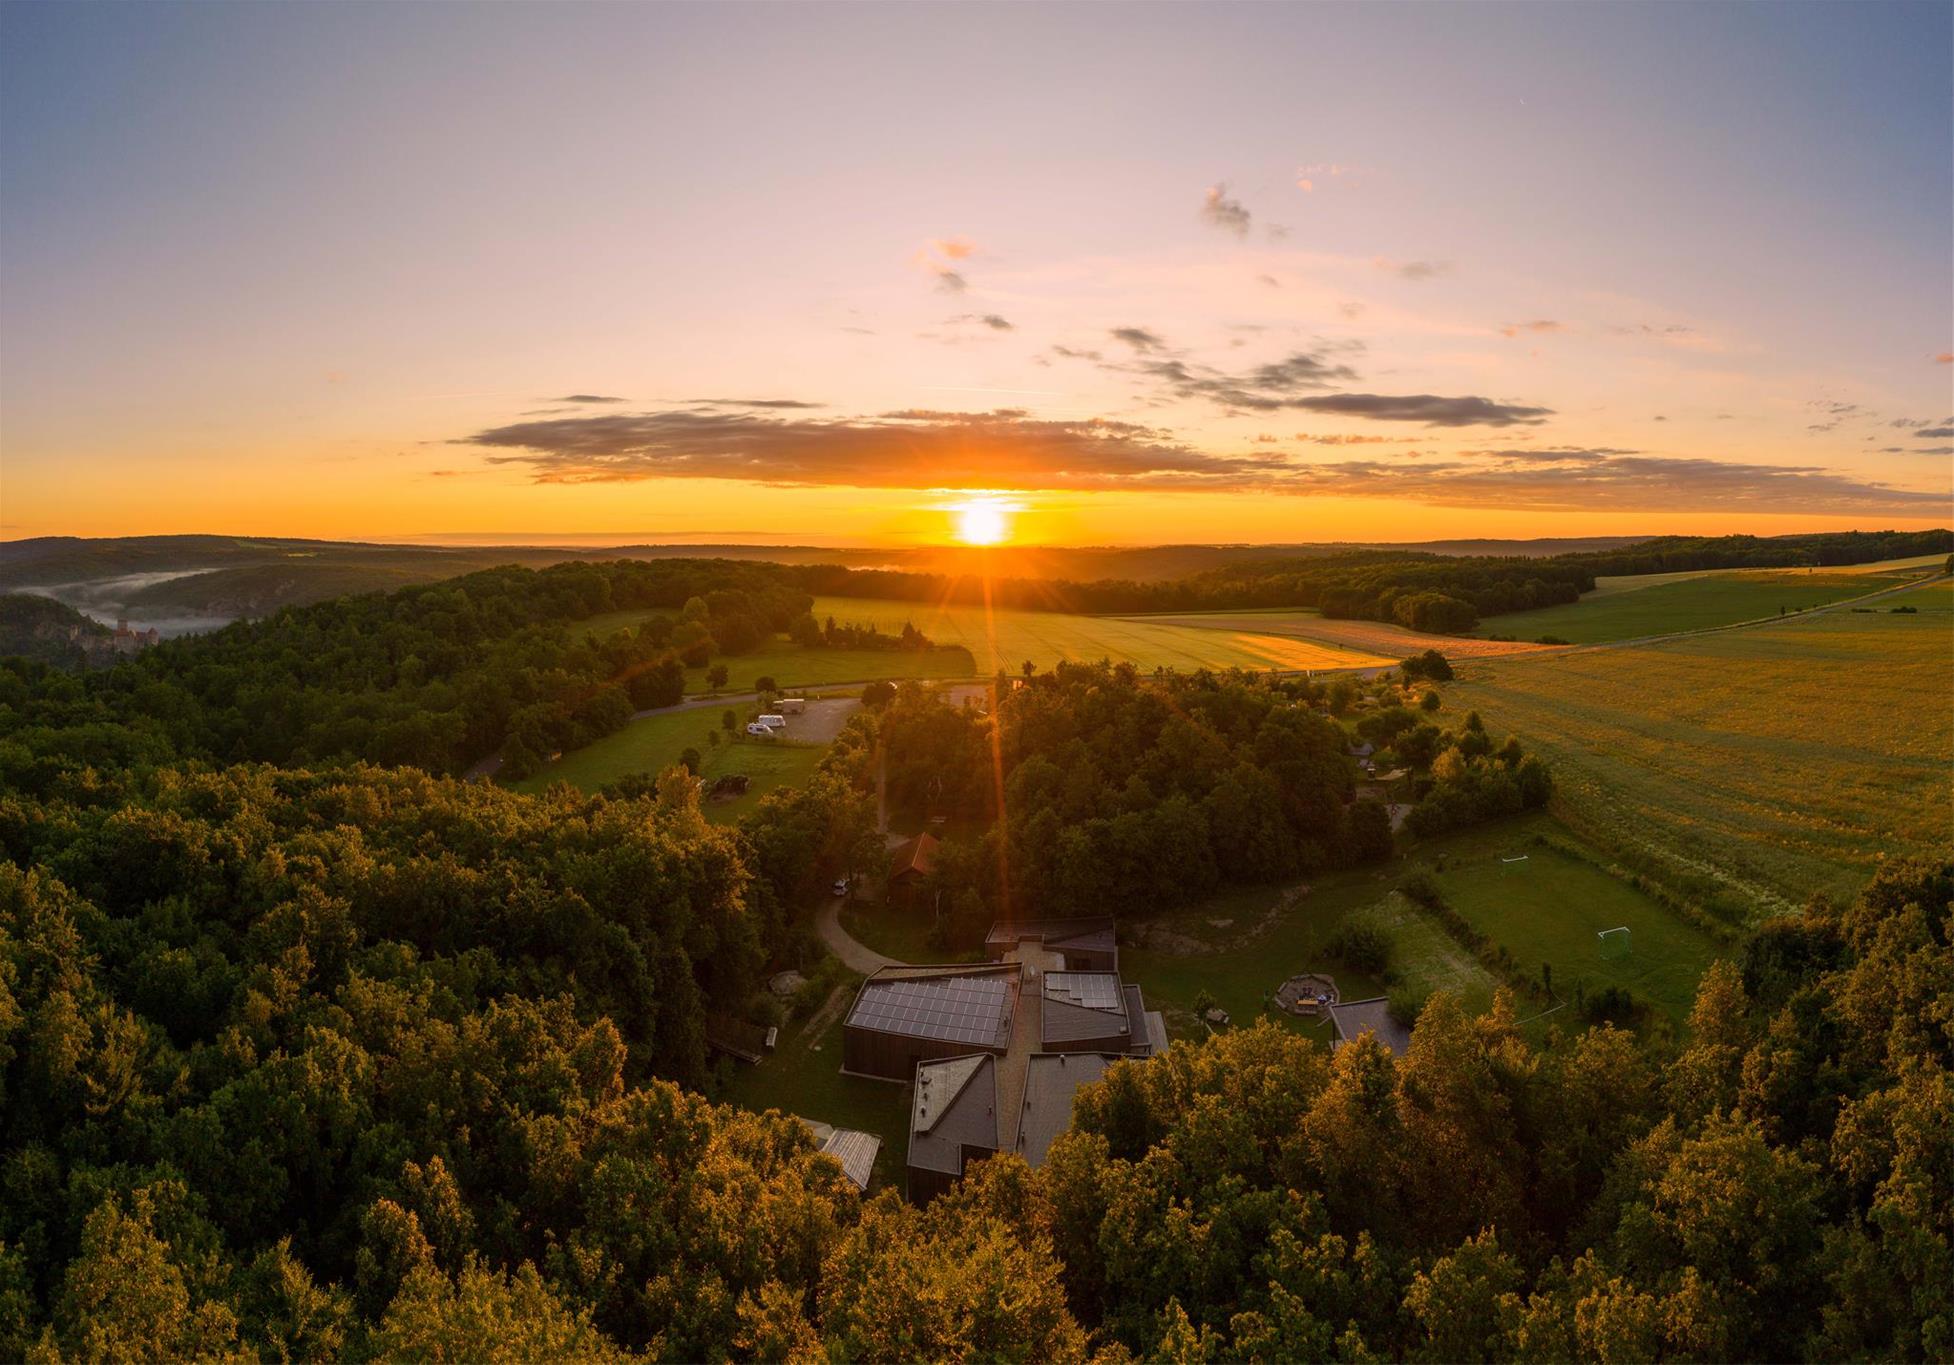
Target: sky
[[829, 273]]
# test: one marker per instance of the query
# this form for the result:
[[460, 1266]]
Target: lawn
[[654, 744], [1689, 602], [1379, 638], [1749, 768], [900, 932], [1008, 638], [803, 1076], [795, 667], [1933, 597], [1549, 908]]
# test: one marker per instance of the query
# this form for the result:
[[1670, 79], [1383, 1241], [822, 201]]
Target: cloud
[[1266, 388], [1139, 338], [1944, 358], [1342, 440], [755, 403], [585, 398], [934, 257], [990, 320], [1225, 213], [1411, 270], [1513, 329], [1933, 450], [1008, 449], [1430, 409], [1831, 413], [950, 281], [1934, 433], [1269, 280], [955, 248]]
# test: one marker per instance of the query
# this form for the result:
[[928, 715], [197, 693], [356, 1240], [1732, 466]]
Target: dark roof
[[971, 1005], [954, 1106], [1051, 1081], [1083, 1006], [1094, 933], [917, 856], [1353, 1018]]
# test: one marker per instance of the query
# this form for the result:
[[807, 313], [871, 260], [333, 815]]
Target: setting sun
[[982, 521]]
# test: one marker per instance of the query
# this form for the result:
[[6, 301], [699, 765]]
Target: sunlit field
[[1048, 638], [1750, 767], [1378, 637], [1662, 604]]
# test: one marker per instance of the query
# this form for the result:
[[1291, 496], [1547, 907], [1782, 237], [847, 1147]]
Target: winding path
[[858, 957]]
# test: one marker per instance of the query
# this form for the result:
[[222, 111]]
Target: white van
[[758, 731], [772, 722]]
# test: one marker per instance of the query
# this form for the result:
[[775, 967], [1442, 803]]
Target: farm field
[[1933, 597], [1549, 908], [1901, 568], [654, 744], [1688, 602], [803, 1076], [1376, 637], [1047, 638], [1751, 768]]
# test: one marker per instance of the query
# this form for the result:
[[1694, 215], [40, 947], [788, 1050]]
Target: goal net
[[1614, 943]]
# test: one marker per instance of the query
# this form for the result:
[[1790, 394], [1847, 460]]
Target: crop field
[[1549, 908], [1374, 637], [1748, 768], [1933, 597], [1047, 638], [655, 743]]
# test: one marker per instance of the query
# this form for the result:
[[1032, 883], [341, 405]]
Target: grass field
[[654, 744], [1933, 597], [900, 932], [1376, 637], [803, 1076], [1749, 768], [1047, 638], [1690, 602], [1549, 908], [795, 667]]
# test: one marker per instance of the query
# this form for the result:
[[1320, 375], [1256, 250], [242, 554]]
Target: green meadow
[[1693, 602]]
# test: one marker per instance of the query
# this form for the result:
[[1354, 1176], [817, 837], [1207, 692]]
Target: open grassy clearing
[[796, 667], [1750, 768], [900, 932], [1047, 638], [1375, 637], [803, 1076], [1691, 602], [1549, 909], [1900, 568], [1933, 597], [655, 743]]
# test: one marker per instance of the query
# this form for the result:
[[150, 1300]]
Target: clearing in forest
[[1377, 637]]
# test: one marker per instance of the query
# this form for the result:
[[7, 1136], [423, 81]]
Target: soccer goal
[[1614, 943]]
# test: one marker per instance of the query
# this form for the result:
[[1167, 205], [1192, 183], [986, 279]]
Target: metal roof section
[[1083, 932], [954, 1106], [1087, 990], [963, 1007], [1051, 1082], [856, 1152]]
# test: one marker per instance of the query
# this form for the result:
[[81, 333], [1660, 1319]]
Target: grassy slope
[[1754, 766], [1046, 638], [794, 667], [654, 743]]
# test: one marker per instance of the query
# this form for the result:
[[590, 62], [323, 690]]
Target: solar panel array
[[1088, 990], [954, 1009]]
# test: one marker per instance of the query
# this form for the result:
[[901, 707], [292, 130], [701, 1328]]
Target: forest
[[371, 1064]]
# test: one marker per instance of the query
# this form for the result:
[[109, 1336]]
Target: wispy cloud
[[934, 259], [1431, 409], [1218, 210], [1139, 338], [991, 320], [1411, 270], [586, 398], [1513, 329]]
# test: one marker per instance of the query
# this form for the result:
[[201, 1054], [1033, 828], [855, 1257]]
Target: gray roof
[[1354, 1018], [954, 1105], [1084, 1006], [1086, 933], [1051, 1081], [1156, 1032], [855, 1150], [973, 1006]]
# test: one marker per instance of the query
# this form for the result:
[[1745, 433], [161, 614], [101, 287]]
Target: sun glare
[[982, 521]]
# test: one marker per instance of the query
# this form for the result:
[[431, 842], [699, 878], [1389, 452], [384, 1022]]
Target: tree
[[728, 720], [716, 676], [878, 694], [689, 759]]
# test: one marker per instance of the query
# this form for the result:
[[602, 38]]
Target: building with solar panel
[[905, 1015]]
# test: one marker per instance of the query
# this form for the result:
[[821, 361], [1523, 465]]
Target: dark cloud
[[755, 403], [1430, 409], [586, 398], [1139, 338], [1072, 353], [1269, 280], [1266, 388], [1831, 413], [949, 281], [1934, 433], [1225, 213], [992, 321], [1933, 450], [1008, 448]]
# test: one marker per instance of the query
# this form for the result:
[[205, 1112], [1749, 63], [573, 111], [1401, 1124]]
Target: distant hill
[[42, 628]]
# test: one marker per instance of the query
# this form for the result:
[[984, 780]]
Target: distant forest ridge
[[227, 577]]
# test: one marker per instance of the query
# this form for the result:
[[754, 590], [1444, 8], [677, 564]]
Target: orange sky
[[1239, 273]]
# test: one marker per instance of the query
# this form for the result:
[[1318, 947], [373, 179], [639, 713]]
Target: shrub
[[1405, 1004], [878, 694], [689, 759], [1362, 944]]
